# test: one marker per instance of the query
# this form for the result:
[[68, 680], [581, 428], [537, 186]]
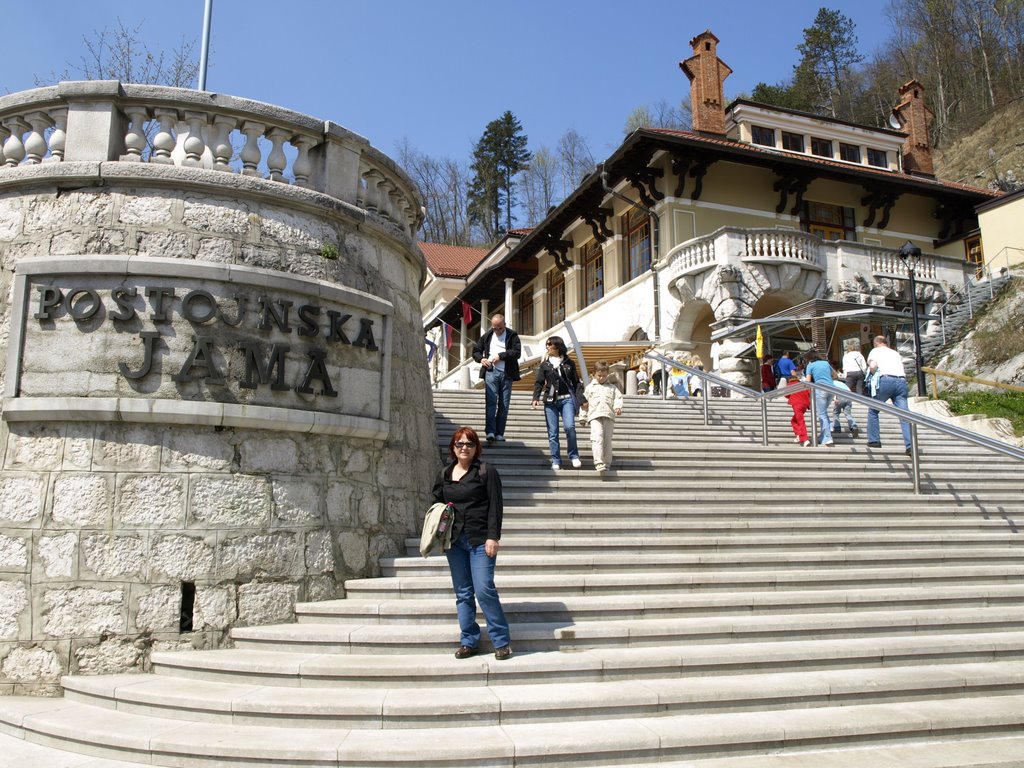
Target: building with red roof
[[680, 236]]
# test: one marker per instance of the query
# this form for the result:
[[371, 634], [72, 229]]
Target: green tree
[[784, 95], [828, 54], [498, 157]]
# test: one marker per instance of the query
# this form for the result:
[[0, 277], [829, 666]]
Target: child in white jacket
[[604, 403]]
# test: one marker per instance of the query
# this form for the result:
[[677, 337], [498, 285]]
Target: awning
[[816, 309], [612, 352]]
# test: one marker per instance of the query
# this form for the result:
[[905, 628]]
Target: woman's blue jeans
[[473, 580], [564, 409]]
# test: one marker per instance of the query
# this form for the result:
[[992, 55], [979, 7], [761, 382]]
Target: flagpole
[[204, 54]]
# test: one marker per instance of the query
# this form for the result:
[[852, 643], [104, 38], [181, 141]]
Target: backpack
[[776, 372]]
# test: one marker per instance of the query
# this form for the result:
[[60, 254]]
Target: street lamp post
[[909, 255]]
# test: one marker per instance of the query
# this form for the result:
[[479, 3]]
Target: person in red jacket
[[800, 402], [767, 375]]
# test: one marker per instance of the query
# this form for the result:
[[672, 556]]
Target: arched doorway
[[693, 327]]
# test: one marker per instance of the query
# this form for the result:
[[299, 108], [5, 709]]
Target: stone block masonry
[[216, 401]]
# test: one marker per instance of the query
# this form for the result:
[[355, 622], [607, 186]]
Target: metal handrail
[[915, 419]]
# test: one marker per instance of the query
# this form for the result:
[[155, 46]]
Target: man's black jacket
[[513, 349]]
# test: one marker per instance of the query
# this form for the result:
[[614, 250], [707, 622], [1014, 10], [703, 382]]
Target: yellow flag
[[759, 345]]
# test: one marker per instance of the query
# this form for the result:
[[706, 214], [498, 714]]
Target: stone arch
[[774, 302], [692, 329]]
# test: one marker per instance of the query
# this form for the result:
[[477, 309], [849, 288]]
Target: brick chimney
[[915, 119], [707, 75]]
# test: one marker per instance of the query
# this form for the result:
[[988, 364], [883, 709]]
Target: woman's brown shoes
[[505, 652], [465, 651]]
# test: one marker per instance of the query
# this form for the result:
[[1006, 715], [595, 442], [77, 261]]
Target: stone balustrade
[[782, 244], [730, 245], [109, 121], [885, 264], [841, 260]]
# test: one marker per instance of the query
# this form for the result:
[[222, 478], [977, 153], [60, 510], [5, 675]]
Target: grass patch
[[1005, 405]]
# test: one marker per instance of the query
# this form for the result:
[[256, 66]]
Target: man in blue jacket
[[498, 353]]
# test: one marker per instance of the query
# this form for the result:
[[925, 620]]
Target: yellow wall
[[1002, 234]]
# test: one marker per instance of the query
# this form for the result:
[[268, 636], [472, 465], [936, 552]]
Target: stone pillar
[[96, 128], [508, 299], [485, 316]]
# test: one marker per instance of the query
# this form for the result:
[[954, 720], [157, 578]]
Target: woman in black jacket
[[556, 380], [474, 490]]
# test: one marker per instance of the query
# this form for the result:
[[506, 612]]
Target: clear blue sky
[[437, 71]]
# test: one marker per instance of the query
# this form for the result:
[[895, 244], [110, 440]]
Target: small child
[[800, 402], [604, 403], [643, 379], [845, 408]]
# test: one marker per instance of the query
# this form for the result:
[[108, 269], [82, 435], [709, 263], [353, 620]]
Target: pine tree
[[828, 54], [498, 157]]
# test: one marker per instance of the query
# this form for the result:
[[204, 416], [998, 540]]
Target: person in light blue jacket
[[820, 372]]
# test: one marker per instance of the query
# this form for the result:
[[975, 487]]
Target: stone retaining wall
[[111, 521]]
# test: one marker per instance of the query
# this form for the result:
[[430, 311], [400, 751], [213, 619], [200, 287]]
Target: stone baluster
[[14, 150], [277, 160], [163, 141], [223, 125], [35, 142], [384, 197], [362, 186], [59, 137], [390, 200], [371, 193], [194, 145], [135, 137], [406, 212], [4, 133], [251, 153], [303, 166]]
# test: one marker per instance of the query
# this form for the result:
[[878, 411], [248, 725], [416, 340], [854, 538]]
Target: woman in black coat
[[556, 381], [474, 490]]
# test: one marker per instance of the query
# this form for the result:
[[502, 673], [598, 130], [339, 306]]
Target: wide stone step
[[642, 543], [610, 523], [455, 707], [768, 512], [567, 634], [583, 578], [772, 494], [277, 666], [628, 741], [708, 564], [620, 607]]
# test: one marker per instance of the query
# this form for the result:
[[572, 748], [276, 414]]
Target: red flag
[[467, 313], [447, 335]]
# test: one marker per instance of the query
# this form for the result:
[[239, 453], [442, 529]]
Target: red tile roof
[[521, 231], [732, 143], [451, 260]]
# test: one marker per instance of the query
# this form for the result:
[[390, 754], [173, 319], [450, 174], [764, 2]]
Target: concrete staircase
[[957, 316], [710, 602]]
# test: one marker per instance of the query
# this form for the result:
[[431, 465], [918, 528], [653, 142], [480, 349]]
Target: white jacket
[[603, 400]]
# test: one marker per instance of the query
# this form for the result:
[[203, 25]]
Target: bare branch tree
[[443, 185], [538, 184], [122, 54], [575, 160]]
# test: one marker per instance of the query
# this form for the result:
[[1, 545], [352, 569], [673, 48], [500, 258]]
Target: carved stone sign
[[146, 339]]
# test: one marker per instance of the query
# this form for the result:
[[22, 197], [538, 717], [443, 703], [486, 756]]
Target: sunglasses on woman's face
[[463, 445]]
